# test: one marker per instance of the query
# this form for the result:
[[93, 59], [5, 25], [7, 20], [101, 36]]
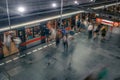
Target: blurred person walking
[[103, 33], [65, 42], [90, 30], [57, 38], [95, 30], [47, 34]]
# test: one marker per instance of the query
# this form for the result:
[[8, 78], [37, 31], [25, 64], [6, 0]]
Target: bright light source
[[76, 2], [21, 9], [91, 0], [54, 5]]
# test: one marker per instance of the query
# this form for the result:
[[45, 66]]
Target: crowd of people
[[93, 30], [12, 43]]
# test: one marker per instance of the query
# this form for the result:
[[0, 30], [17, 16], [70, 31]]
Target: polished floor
[[84, 57]]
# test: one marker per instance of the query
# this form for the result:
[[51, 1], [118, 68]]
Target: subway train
[[33, 33]]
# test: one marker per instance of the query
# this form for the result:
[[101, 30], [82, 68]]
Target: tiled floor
[[83, 58]]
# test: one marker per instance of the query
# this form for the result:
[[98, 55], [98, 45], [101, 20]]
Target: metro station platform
[[50, 63]]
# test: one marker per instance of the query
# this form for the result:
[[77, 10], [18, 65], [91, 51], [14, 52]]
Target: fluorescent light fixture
[[54, 5], [21, 9]]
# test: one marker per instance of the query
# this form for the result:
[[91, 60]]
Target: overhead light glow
[[91, 0], [21, 9], [76, 2], [54, 5]]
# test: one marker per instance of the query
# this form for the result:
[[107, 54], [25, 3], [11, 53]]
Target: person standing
[[111, 29], [65, 42], [103, 33], [78, 25], [95, 31], [57, 38], [90, 30], [47, 33], [53, 34], [7, 40], [85, 23]]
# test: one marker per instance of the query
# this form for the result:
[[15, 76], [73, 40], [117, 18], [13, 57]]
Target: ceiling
[[38, 6], [33, 5]]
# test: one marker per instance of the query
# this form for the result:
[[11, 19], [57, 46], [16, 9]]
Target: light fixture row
[[54, 5]]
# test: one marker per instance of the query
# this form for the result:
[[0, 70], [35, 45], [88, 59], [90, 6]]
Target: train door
[[43, 26], [1, 37], [1, 41], [21, 35], [73, 21]]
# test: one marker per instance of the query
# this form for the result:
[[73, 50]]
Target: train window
[[37, 31], [29, 33]]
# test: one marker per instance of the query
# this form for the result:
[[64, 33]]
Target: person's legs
[[47, 39], [57, 43], [95, 35], [102, 37], [89, 34], [64, 45]]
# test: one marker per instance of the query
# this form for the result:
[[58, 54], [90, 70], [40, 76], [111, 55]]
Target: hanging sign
[[107, 22]]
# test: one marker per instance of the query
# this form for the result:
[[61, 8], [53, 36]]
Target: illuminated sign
[[107, 22]]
